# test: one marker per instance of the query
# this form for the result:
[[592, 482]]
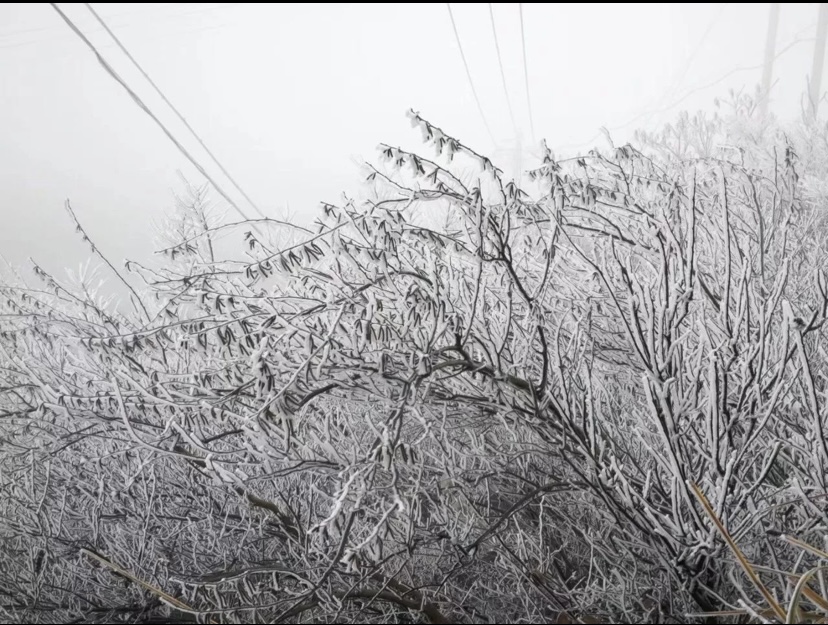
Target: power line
[[468, 73], [502, 73], [677, 82], [690, 92], [178, 33], [526, 73], [175, 110], [144, 107], [128, 24]]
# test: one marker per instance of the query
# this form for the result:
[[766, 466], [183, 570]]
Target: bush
[[452, 402]]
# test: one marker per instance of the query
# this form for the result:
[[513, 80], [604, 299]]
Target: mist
[[413, 313], [290, 97]]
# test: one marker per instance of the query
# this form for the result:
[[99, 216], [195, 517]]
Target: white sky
[[287, 95]]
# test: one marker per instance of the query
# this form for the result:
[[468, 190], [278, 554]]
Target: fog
[[598, 397], [289, 97]]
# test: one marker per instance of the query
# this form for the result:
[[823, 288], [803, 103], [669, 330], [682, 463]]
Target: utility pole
[[819, 59], [517, 163], [770, 54], [517, 152]]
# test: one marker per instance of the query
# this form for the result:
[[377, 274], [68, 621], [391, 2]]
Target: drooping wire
[[136, 98], [690, 93], [502, 73], [676, 83], [526, 74], [174, 109], [468, 73], [167, 18]]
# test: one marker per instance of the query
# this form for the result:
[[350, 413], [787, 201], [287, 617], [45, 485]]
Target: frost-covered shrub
[[455, 402]]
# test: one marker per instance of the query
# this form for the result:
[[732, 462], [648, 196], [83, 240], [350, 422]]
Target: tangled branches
[[452, 404]]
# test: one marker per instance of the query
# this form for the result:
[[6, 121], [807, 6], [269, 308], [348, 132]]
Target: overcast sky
[[288, 95]]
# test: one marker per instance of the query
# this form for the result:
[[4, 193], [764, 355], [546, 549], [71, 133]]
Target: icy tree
[[454, 402]]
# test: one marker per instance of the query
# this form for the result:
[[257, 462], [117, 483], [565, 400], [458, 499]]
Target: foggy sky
[[287, 96]]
